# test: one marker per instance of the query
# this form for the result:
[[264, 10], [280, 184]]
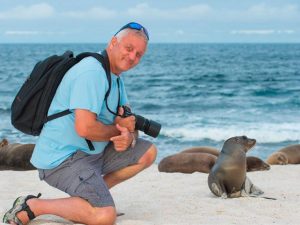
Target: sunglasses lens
[[135, 26], [139, 27]]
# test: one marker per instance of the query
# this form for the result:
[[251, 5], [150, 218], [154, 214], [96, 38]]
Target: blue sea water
[[202, 94]]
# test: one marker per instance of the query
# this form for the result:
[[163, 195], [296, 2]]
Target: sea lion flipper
[[250, 189], [256, 191], [219, 190], [224, 195]]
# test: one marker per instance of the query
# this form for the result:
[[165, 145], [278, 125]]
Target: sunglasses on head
[[135, 26]]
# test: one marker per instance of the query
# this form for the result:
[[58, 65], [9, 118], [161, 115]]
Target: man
[[62, 156]]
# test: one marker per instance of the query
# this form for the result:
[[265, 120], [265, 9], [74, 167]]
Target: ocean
[[202, 94]]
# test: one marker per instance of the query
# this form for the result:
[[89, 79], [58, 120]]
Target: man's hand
[[124, 140], [128, 122]]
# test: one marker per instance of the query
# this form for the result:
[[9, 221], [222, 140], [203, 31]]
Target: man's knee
[[105, 216], [149, 157]]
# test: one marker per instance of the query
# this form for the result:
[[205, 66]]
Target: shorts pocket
[[89, 185], [85, 183]]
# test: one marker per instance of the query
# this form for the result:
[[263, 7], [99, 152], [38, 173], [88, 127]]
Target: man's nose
[[132, 55]]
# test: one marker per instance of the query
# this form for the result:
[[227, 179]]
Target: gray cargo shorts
[[81, 174]]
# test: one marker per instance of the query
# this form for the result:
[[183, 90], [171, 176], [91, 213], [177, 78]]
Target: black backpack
[[30, 107]]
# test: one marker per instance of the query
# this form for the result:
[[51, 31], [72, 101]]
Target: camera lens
[[149, 127]]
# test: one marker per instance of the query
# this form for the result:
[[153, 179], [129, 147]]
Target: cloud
[[262, 13], [44, 10], [179, 32], [143, 10], [20, 32], [93, 13], [247, 32], [36, 11], [30, 33], [264, 10], [205, 12], [261, 32], [195, 10], [286, 31]]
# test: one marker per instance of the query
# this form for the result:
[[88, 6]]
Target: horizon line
[[237, 42]]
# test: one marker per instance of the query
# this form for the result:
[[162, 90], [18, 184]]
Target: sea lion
[[16, 157], [278, 158], [202, 149], [253, 163], [228, 177], [187, 163], [256, 164], [287, 155]]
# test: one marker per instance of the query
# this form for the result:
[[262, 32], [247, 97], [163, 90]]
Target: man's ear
[[113, 42]]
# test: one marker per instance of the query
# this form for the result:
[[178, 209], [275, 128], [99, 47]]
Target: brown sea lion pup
[[187, 163], [202, 149], [228, 177], [256, 164], [287, 155], [16, 157]]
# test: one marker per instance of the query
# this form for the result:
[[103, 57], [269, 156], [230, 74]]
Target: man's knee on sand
[[105, 216], [149, 157]]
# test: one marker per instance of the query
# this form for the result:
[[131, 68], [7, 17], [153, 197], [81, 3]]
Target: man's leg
[[79, 210], [116, 177], [79, 175], [74, 208]]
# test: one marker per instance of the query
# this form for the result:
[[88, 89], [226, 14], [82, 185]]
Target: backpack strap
[[57, 115], [104, 60]]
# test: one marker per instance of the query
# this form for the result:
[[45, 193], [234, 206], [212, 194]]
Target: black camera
[[149, 127]]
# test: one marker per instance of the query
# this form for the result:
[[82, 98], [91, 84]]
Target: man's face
[[127, 52]]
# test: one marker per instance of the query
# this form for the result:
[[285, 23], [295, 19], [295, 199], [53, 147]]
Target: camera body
[[149, 127]]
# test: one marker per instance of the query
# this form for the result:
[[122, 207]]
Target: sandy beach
[[154, 198]]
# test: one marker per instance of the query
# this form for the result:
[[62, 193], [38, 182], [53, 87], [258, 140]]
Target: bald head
[[128, 31]]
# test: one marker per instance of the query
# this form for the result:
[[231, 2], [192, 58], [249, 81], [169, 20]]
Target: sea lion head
[[278, 158], [256, 164], [240, 142], [265, 166]]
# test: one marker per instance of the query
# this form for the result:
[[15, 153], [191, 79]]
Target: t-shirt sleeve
[[88, 91]]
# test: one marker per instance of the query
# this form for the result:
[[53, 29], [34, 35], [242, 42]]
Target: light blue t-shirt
[[83, 87]]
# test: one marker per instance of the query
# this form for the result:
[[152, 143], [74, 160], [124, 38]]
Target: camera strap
[[119, 94], [108, 74]]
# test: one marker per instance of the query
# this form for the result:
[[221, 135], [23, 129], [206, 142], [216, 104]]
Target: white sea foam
[[263, 133]]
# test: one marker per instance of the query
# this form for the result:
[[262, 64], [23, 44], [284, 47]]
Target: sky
[[167, 21]]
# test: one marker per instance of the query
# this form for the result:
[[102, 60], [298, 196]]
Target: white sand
[[154, 198]]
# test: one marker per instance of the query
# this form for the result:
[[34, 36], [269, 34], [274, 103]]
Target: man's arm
[[87, 126]]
